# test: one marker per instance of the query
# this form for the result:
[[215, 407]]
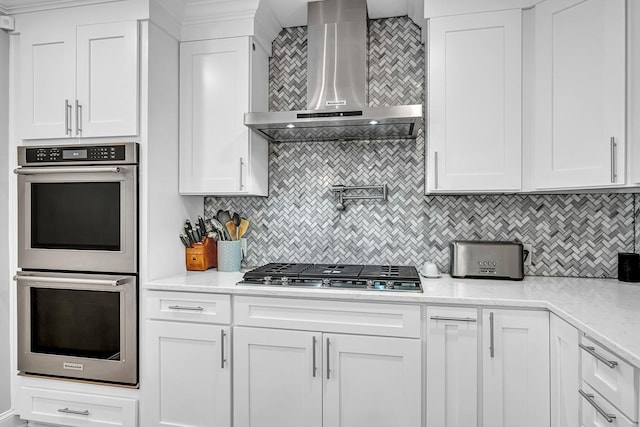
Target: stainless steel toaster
[[486, 259]]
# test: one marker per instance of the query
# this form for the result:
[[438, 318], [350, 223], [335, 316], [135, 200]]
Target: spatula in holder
[[202, 256]]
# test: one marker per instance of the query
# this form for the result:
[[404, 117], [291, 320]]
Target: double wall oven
[[78, 251]]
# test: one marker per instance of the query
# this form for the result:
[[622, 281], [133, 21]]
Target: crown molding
[[47, 5]]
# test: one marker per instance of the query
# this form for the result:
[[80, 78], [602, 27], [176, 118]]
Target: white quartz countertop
[[606, 310]]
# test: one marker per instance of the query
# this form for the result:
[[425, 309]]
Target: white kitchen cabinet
[[295, 378], [515, 374], [611, 377], [220, 80], [452, 367], [277, 378], [579, 123], [79, 80], [187, 368], [565, 373], [371, 381], [474, 123]]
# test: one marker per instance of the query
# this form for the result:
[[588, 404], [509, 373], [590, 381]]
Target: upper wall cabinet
[[79, 81], [579, 122], [220, 80], [474, 122]]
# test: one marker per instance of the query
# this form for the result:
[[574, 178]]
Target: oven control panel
[[93, 153]]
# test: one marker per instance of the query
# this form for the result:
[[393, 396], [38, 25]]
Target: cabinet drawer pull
[[614, 166], [314, 369], [184, 307], [328, 363], [241, 167], [592, 351], [78, 118], [71, 411], [67, 117], [453, 319], [435, 170], [589, 397], [491, 346], [222, 358]]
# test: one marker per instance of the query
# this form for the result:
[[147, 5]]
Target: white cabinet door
[[371, 381], [47, 82], [515, 368], [565, 373], [277, 378], [579, 93], [188, 375], [452, 367], [107, 80], [218, 154], [475, 102], [79, 81]]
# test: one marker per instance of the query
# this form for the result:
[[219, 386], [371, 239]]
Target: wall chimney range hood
[[337, 85]]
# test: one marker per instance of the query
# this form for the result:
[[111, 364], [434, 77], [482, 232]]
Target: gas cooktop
[[336, 276]]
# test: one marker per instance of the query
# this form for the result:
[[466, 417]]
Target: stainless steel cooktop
[[336, 276]]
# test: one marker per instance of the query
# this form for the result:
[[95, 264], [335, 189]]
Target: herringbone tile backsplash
[[572, 235]]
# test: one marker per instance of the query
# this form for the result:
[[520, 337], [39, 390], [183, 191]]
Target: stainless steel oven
[[81, 326], [78, 208]]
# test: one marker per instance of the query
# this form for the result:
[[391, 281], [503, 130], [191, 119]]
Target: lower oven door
[[81, 326]]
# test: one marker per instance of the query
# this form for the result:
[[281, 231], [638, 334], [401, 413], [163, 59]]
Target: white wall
[[5, 281]]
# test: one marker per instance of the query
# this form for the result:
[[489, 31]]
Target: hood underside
[[395, 122], [337, 85]]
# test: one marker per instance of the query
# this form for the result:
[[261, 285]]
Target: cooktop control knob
[[267, 280], [326, 283], [370, 284], [389, 285], [284, 281]]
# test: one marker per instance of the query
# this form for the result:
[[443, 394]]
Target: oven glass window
[[76, 215], [75, 323]]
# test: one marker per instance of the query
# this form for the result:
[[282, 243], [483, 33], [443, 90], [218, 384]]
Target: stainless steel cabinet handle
[[184, 307], [435, 170], [78, 118], [68, 280], [71, 411], [453, 319], [592, 351], [328, 363], [491, 346], [241, 165], [43, 171], [222, 359], [67, 117], [589, 397], [614, 166], [314, 370]]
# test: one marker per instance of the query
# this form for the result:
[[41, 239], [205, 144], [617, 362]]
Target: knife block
[[202, 256]]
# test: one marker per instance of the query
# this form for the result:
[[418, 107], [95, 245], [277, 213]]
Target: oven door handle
[[74, 281], [42, 171]]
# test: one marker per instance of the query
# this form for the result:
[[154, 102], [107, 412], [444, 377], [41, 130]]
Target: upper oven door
[[78, 218]]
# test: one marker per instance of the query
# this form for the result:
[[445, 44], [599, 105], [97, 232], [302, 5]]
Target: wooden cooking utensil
[[231, 228], [242, 228]]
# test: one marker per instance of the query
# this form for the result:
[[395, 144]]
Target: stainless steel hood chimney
[[337, 85]]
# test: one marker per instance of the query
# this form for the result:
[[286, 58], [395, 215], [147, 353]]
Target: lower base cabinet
[[515, 374], [565, 373], [452, 367], [189, 380], [285, 378]]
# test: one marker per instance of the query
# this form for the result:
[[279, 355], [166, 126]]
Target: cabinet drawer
[[610, 376], [188, 307], [75, 409], [592, 418], [394, 320]]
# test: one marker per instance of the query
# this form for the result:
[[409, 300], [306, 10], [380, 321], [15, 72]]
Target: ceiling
[[290, 13]]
